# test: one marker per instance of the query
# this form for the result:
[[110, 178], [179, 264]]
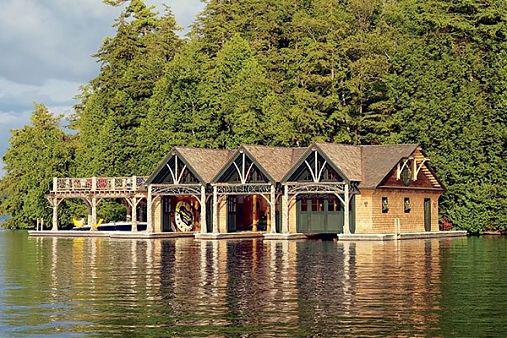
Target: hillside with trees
[[287, 72]]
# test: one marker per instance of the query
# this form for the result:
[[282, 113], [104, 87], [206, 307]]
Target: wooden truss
[[314, 169], [411, 164], [176, 176], [243, 172]]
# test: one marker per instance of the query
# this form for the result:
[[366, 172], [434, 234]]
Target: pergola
[[94, 189]]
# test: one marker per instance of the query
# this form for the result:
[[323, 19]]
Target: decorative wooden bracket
[[243, 176], [406, 163], [174, 173], [417, 167], [315, 172], [401, 165]]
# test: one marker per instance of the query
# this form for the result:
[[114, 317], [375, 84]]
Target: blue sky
[[46, 48]]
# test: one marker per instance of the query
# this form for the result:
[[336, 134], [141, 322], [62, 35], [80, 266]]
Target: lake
[[184, 287]]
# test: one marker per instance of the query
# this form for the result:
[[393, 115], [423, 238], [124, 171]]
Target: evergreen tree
[[447, 93], [35, 155], [116, 102]]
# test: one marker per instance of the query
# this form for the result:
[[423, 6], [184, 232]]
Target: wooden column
[[55, 214], [94, 213], [346, 211], [272, 209], [89, 207], [202, 219], [133, 214], [285, 210], [149, 213], [215, 209], [255, 214]]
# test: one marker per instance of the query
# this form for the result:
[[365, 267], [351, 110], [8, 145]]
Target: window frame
[[384, 206], [407, 205]]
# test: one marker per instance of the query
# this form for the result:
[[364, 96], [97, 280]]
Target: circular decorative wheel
[[183, 216]]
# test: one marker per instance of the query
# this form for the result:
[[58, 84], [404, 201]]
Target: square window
[[385, 205], [406, 205]]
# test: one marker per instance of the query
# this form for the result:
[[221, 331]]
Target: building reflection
[[327, 287]]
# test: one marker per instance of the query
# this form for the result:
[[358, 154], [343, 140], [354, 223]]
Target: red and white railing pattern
[[98, 184]]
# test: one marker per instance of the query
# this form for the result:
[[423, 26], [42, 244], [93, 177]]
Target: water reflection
[[183, 286]]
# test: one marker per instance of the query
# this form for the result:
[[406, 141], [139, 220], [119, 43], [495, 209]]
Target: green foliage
[[36, 154], [116, 102], [288, 72]]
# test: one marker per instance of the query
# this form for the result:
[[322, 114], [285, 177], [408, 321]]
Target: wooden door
[[319, 214], [334, 215], [427, 214], [166, 213], [232, 210]]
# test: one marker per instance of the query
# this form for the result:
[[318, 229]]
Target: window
[[406, 205], [385, 205], [317, 204], [304, 204]]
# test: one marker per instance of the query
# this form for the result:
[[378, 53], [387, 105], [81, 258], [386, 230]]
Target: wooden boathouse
[[274, 192]]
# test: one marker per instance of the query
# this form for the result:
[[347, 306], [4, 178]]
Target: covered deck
[[92, 190]]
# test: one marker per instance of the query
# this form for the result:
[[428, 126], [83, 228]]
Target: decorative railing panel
[[98, 184], [170, 189], [244, 189]]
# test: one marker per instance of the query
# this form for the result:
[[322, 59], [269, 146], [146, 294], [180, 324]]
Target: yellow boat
[[78, 223]]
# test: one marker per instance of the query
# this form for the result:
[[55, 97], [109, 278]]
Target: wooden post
[[133, 214], [94, 213], [89, 207], [346, 207], [94, 183], [215, 209], [272, 209], [149, 216], [285, 210], [202, 220], [134, 183], [255, 214], [55, 184], [55, 214]]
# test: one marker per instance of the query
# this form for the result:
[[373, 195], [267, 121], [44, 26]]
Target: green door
[[334, 215], [318, 214], [427, 214]]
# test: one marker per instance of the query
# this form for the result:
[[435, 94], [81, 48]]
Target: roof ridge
[[339, 144], [270, 147], [388, 145]]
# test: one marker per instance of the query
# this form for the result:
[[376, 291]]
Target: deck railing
[[98, 184]]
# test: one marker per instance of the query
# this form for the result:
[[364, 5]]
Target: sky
[[46, 49]]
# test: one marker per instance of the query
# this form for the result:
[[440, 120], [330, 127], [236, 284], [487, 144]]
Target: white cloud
[[46, 49], [50, 91]]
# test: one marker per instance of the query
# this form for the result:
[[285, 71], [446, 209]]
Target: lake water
[[184, 287]]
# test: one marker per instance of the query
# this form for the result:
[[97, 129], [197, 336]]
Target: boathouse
[[325, 188]]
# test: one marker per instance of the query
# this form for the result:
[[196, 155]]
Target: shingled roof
[[345, 157], [205, 162], [379, 160], [368, 164], [276, 161]]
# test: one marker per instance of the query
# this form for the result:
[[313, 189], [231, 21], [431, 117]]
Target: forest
[[284, 72]]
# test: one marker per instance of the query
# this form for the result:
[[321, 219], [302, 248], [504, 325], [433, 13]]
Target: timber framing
[[280, 176]]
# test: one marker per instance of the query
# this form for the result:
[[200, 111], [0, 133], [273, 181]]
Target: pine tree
[[116, 101], [36, 154]]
